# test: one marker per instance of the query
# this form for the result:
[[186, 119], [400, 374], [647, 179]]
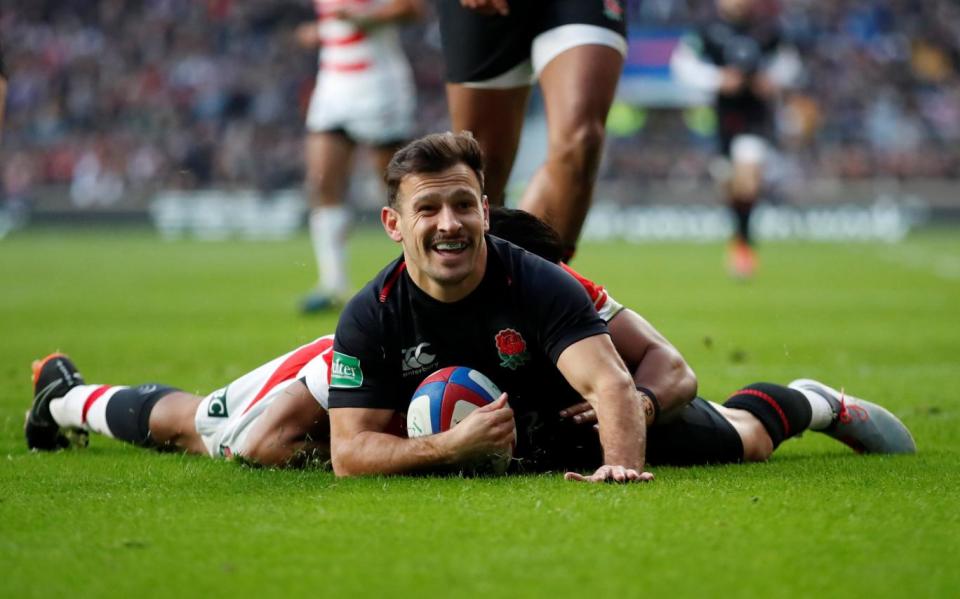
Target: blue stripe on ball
[[461, 376]]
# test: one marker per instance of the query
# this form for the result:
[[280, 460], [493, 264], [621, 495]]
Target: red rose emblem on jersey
[[512, 349]]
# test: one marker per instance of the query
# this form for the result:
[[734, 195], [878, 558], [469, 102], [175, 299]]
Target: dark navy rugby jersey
[[512, 328], [748, 47]]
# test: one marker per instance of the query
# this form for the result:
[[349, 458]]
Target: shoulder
[[539, 286], [362, 312], [525, 268]]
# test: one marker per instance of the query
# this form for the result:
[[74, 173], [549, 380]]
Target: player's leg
[[328, 157], [382, 153], [173, 423], [488, 82], [578, 84], [784, 412], [292, 431], [495, 117], [148, 415], [747, 155], [265, 416]]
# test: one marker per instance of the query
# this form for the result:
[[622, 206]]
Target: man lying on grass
[[278, 414]]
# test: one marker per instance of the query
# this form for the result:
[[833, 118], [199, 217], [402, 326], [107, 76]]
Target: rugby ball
[[445, 398]]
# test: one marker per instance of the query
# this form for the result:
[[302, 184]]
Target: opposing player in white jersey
[[273, 415], [364, 94]]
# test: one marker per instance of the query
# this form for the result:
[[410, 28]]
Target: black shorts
[[477, 47], [755, 120], [698, 436]]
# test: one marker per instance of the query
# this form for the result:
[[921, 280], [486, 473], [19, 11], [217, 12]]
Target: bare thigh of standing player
[[575, 48]]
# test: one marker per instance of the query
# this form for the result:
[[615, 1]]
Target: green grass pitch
[[817, 520]]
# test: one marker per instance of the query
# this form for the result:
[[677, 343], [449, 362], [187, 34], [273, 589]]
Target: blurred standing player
[[744, 61], [495, 50], [364, 94]]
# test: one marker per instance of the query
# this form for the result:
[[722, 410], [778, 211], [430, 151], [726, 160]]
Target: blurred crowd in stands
[[113, 97]]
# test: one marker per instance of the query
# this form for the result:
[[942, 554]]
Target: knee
[[580, 144]]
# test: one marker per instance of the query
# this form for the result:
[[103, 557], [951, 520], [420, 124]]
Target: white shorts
[[547, 46], [749, 149], [371, 109], [225, 417]]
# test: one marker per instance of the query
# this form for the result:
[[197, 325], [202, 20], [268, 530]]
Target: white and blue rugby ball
[[446, 397]]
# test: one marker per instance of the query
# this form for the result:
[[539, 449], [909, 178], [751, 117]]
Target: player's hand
[[487, 430], [613, 474], [307, 35], [488, 7], [763, 86], [581, 413], [731, 81]]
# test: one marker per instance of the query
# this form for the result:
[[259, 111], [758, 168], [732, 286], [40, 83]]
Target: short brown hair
[[431, 154]]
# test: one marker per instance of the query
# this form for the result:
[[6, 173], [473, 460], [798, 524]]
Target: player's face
[[440, 219]]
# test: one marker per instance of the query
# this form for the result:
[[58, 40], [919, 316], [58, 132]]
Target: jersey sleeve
[[606, 306], [359, 377], [562, 310], [691, 66]]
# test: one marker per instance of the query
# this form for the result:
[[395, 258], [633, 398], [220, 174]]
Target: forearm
[[381, 453], [666, 374], [623, 426]]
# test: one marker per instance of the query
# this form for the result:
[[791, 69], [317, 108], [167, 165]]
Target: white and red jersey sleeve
[[606, 306]]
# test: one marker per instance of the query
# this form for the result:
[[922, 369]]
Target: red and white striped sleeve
[[606, 306]]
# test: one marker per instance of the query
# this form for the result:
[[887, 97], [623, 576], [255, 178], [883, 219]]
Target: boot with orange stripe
[[53, 376]]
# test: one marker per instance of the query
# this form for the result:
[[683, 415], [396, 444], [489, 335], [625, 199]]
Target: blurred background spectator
[[111, 100]]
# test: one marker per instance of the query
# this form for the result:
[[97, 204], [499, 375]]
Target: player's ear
[[391, 223], [485, 203]]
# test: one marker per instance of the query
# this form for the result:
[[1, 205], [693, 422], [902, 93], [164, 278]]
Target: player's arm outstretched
[[361, 446], [594, 369]]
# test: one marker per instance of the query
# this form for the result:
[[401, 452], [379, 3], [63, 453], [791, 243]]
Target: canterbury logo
[[415, 358], [217, 408]]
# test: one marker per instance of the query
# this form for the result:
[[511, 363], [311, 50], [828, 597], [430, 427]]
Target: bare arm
[[595, 370], [784, 71], [308, 35], [654, 361], [360, 446]]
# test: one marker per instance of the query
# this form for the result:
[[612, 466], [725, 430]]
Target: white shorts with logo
[[373, 109], [225, 418]]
